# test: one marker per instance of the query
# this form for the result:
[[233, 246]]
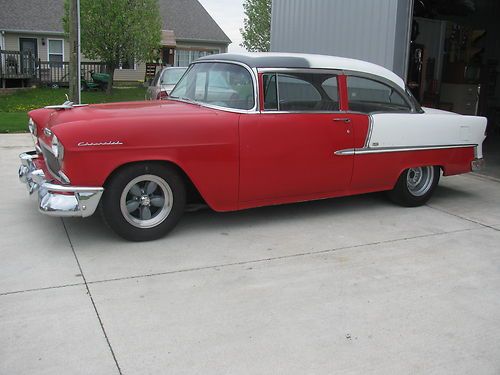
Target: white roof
[[303, 60]]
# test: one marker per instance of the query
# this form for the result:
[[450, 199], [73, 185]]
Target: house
[[33, 45]]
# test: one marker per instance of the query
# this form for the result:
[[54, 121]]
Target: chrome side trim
[[370, 131], [380, 150]]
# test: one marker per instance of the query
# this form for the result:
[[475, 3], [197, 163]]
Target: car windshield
[[220, 84], [172, 76]]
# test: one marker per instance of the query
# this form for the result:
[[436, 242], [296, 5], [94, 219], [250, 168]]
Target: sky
[[229, 16]]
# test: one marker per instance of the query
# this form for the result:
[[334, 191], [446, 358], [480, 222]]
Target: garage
[[453, 63], [448, 51]]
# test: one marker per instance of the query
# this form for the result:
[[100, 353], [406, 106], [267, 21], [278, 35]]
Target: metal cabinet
[[464, 97]]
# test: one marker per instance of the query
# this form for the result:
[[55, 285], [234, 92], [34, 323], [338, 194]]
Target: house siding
[[138, 74], [11, 41]]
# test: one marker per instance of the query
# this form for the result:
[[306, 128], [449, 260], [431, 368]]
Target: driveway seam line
[[40, 289], [463, 218], [91, 298], [224, 265]]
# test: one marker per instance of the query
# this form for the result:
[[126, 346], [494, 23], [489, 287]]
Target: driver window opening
[[304, 92], [219, 84]]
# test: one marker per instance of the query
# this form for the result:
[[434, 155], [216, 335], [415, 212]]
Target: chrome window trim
[[368, 150], [271, 112], [300, 70], [253, 75]]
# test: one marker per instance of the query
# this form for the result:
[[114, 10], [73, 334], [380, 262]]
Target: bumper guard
[[55, 199], [477, 164]]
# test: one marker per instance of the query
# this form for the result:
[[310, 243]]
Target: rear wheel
[[415, 186], [144, 201]]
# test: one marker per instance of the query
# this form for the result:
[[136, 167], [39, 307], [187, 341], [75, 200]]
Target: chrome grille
[[50, 160]]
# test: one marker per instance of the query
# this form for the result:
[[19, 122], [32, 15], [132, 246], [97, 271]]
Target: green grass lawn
[[13, 107]]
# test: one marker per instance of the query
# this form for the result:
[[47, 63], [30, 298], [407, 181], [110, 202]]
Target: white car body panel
[[431, 129]]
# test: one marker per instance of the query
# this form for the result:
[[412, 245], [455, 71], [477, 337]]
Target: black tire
[[119, 195], [410, 191]]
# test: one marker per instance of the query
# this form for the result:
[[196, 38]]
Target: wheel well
[[192, 193], [441, 169]]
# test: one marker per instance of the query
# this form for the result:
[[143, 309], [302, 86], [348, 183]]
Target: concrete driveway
[[346, 286]]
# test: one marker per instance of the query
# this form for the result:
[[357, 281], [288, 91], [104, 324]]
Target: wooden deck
[[15, 65]]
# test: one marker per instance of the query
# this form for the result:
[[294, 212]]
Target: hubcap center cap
[[145, 200]]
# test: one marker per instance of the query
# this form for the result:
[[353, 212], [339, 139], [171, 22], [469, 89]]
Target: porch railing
[[15, 64], [58, 72], [24, 65]]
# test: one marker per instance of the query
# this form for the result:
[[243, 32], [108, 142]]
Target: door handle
[[343, 119]]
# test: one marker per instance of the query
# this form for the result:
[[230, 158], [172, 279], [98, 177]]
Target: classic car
[[288, 128], [163, 83]]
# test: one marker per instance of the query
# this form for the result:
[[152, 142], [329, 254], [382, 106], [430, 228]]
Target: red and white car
[[286, 128]]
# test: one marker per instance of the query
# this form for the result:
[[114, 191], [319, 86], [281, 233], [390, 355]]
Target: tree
[[118, 31], [256, 31]]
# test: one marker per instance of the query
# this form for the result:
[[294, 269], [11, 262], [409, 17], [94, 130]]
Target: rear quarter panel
[[380, 170]]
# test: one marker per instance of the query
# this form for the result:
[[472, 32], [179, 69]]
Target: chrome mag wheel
[[419, 180], [146, 201]]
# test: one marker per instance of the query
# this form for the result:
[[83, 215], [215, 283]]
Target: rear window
[[367, 95]]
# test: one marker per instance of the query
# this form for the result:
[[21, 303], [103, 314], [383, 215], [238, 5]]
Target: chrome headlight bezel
[[57, 148], [32, 127]]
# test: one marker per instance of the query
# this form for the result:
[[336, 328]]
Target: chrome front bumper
[[55, 199]]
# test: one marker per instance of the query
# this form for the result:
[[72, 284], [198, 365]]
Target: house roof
[[190, 21], [32, 15], [187, 18]]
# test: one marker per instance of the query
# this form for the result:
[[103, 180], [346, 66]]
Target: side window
[[270, 93], [367, 95], [308, 92], [220, 84]]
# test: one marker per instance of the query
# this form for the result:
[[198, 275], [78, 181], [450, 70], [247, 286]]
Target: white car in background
[[164, 82]]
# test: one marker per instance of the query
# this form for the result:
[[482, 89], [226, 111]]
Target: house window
[[128, 63], [55, 51], [184, 57]]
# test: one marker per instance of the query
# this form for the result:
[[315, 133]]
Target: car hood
[[128, 110], [113, 117]]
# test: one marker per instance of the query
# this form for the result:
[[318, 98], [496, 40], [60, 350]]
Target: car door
[[288, 149]]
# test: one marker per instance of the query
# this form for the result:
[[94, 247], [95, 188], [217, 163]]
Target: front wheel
[[144, 201], [415, 186]]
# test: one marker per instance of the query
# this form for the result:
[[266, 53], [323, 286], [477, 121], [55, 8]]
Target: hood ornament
[[66, 105]]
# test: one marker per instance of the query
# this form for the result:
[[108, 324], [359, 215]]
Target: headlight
[[32, 127], [57, 148]]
